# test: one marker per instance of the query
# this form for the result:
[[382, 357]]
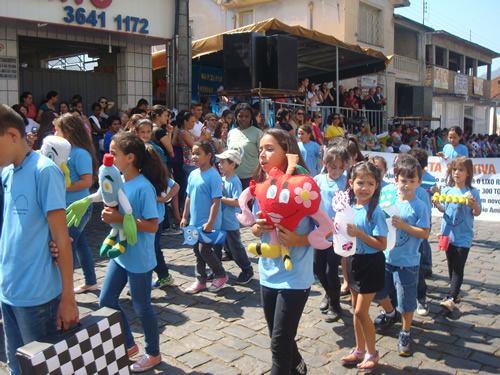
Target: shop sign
[[369, 81], [8, 67], [461, 84], [155, 19], [441, 78], [478, 86], [205, 81]]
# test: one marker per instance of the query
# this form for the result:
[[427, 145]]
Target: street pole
[[337, 78], [181, 57]]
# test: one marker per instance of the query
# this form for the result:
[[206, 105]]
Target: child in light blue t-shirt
[[454, 148], [458, 223], [326, 262], [140, 170], [202, 210], [309, 149], [36, 295], [366, 266], [164, 278], [284, 293], [424, 192], [81, 163], [231, 190], [402, 262]]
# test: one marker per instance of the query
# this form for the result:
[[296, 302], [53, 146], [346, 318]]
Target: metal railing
[[353, 118], [407, 64]]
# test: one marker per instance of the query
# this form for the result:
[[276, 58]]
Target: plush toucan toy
[[111, 193]]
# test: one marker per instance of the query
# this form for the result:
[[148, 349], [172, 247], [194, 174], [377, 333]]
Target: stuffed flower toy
[[111, 193], [285, 199], [57, 149]]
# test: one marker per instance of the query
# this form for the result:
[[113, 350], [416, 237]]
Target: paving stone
[[461, 363], [194, 342], [194, 359], [214, 368], [486, 359], [239, 331], [235, 343], [251, 365], [174, 348], [260, 340], [259, 353], [209, 334], [223, 352]]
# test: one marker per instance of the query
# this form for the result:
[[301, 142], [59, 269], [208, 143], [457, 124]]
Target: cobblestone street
[[225, 333]]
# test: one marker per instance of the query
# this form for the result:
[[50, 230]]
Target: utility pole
[[424, 10], [180, 59]]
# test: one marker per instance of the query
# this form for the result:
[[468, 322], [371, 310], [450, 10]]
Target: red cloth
[[32, 111], [317, 133]]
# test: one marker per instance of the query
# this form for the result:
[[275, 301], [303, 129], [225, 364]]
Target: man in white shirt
[[197, 111]]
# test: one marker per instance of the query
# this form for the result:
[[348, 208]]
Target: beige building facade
[[368, 23]]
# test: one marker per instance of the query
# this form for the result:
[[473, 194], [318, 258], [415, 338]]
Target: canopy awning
[[316, 52]]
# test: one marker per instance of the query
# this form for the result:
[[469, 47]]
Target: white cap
[[233, 155]]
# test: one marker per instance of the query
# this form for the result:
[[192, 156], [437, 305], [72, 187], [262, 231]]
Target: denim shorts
[[401, 286]]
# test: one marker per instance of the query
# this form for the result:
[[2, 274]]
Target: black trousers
[[283, 309], [326, 269], [456, 258]]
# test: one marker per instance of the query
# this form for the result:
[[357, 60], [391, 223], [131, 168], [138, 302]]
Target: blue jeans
[[140, 289], [82, 255], [401, 287], [422, 284], [237, 250], [426, 256], [22, 325]]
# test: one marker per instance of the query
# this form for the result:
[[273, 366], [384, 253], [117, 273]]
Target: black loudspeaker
[[242, 51], [251, 59], [281, 63]]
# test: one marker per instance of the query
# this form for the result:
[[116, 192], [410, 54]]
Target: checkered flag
[[97, 347]]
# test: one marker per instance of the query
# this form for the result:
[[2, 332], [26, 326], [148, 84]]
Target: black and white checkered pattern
[[97, 348]]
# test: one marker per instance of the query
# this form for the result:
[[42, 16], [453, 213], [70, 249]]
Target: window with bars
[[245, 18], [82, 62], [370, 25]]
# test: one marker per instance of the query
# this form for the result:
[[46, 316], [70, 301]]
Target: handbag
[[95, 346]]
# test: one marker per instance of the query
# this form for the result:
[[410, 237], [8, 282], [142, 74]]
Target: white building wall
[[208, 18]]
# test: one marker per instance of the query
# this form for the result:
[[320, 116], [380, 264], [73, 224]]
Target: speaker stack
[[251, 58]]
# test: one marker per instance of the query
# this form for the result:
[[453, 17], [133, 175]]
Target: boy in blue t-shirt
[[424, 192], [402, 262], [33, 213], [231, 190]]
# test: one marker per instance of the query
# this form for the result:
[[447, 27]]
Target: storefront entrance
[[69, 68]]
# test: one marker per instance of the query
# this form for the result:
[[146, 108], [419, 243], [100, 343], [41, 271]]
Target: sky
[[478, 19]]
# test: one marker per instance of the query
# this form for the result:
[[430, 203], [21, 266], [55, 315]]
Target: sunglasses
[[300, 113]]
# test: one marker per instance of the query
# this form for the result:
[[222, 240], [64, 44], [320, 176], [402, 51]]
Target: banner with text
[[486, 180]]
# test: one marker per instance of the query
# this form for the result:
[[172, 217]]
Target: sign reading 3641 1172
[[98, 18]]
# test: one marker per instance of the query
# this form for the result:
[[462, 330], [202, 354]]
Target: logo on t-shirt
[[20, 206]]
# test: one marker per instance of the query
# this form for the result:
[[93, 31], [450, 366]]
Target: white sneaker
[[422, 309]]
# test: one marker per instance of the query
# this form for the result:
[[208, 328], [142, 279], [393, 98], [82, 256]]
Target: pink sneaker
[[145, 363], [218, 284], [132, 352], [195, 287]]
